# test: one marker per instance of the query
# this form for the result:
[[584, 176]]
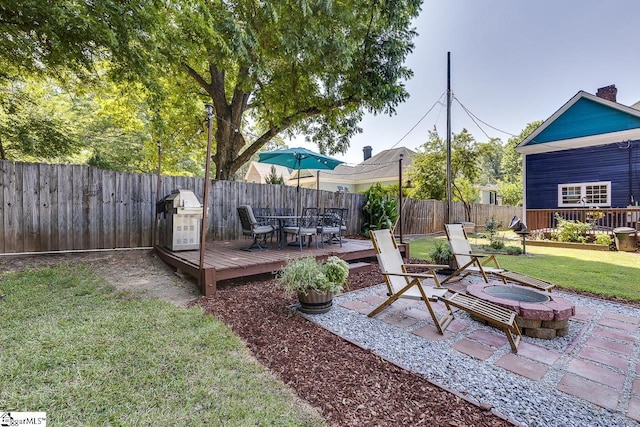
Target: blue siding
[[604, 163], [586, 118]]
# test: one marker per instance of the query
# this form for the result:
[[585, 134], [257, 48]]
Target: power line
[[474, 118], [421, 118]]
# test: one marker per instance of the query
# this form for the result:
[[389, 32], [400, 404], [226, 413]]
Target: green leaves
[[380, 209]]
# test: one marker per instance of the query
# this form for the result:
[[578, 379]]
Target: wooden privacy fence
[[428, 216], [68, 207]]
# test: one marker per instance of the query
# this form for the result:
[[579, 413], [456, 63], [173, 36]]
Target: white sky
[[512, 62]]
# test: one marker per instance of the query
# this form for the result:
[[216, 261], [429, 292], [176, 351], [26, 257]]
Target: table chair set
[[260, 223]]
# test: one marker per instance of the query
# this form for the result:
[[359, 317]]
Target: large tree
[[428, 171], [269, 68], [313, 67], [511, 188]]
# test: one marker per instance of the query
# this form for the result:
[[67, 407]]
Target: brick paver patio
[[594, 367]]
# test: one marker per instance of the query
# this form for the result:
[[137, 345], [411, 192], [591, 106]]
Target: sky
[[512, 62]]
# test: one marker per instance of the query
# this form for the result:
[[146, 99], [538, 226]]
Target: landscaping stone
[[528, 323], [555, 324], [542, 333]]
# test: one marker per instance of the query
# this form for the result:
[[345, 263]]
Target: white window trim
[[583, 192]]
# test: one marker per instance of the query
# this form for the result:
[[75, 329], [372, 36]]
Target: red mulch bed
[[349, 385]]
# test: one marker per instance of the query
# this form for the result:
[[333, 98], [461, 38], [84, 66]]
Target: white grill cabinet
[[180, 216]]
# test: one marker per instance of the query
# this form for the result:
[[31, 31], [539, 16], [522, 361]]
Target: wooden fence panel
[[12, 211], [30, 202], [47, 188]]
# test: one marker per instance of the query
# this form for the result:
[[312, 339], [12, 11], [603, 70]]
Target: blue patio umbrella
[[299, 158]]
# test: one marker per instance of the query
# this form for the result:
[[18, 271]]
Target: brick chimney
[[608, 92], [367, 152]]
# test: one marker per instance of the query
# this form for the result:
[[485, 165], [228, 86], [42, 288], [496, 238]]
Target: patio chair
[[469, 262], [305, 226], [261, 213], [401, 284], [332, 223], [251, 227]]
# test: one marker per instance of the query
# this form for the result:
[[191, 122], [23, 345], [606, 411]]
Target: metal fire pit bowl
[[516, 294]]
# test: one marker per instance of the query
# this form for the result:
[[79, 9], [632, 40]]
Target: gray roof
[[382, 165]]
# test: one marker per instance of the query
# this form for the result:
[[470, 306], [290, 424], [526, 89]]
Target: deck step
[[358, 267]]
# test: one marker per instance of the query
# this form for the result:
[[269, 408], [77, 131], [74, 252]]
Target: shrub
[[380, 210], [492, 226], [440, 252], [604, 239], [512, 250], [570, 230], [304, 274]]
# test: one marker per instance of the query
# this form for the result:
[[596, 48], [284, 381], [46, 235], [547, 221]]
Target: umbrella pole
[[318, 189], [298, 202]]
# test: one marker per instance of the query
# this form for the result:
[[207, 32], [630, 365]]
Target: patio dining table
[[282, 219]]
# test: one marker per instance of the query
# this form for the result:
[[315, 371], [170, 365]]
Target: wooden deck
[[227, 260]]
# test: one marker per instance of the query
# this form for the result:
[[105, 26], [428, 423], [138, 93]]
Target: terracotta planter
[[315, 302]]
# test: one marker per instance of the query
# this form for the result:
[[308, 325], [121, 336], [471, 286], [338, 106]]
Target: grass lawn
[[605, 273], [89, 355]]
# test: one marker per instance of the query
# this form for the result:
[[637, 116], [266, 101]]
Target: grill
[[180, 220]]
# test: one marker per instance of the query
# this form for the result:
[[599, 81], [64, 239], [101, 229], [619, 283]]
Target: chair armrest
[[477, 255], [429, 266], [418, 275]]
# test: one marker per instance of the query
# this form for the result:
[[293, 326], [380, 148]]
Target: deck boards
[[227, 260]]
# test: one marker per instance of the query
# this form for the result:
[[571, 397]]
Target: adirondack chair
[[469, 262]]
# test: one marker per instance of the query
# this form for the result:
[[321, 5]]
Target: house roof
[[585, 120], [264, 170], [382, 165]]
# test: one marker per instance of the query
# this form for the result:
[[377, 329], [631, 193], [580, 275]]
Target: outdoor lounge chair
[[251, 227], [401, 284], [468, 262]]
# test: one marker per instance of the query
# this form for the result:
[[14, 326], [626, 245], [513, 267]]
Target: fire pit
[[539, 314]]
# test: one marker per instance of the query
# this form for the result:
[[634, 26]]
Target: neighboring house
[[382, 168], [259, 172], [587, 154], [489, 194]]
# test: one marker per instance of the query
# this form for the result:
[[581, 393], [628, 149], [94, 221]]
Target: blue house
[[586, 155]]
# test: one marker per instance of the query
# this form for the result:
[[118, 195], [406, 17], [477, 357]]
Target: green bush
[[570, 230], [440, 252], [304, 274], [492, 226], [512, 250], [604, 239], [380, 210]]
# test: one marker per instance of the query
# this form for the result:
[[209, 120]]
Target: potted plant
[[440, 253], [315, 283]]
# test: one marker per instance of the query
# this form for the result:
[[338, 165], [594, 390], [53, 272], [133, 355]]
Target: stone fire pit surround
[[544, 320]]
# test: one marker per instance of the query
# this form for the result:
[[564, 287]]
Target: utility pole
[[447, 214], [400, 196]]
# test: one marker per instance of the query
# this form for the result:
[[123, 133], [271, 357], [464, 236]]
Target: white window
[[584, 194]]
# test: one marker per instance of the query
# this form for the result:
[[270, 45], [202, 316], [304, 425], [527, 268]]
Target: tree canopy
[[510, 186], [428, 171], [294, 66], [268, 68]]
